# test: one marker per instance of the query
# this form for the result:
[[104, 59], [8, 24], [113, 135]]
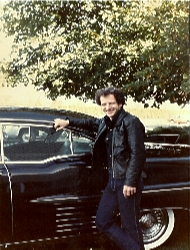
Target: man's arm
[[91, 124], [135, 135], [136, 161]]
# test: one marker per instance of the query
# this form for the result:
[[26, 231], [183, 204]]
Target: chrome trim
[[166, 144], [165, 190], [39, 240], [50, 159], [71, 143], [2, 159], [11, 193], [47, 160], [62, 198], [1, 141], [26, 121]]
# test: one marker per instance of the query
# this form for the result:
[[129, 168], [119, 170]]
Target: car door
[[53, 186], [5, 197], [167, 175]]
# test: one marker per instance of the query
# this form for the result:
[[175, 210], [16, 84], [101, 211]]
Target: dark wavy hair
[[118, 94]]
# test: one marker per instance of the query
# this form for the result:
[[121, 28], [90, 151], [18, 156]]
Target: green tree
[[75, 47]]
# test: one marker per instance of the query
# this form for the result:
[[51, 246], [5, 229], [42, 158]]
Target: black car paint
[[62, 194]]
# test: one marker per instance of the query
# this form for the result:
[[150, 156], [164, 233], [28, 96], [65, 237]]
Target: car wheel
[[157, 226]]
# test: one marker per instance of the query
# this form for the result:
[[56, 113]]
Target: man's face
[[109, 105]]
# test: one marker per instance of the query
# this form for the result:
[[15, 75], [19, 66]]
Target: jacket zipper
[[112, 154]]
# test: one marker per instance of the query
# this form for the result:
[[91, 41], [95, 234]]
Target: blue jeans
[[128, 235]]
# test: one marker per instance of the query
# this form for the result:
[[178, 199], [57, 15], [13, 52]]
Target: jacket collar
[[116, 119], [122, 114]]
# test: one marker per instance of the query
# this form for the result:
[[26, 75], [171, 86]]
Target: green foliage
[[75, 47]]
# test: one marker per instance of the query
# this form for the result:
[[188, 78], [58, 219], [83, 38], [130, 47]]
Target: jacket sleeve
[[91, 124], [135, 138]]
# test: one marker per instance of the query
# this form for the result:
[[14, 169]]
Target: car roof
[[40, 115]]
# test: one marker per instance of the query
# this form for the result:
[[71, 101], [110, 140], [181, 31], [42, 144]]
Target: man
[[120, 145]]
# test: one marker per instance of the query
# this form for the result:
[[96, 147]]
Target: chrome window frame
[[38, 123]]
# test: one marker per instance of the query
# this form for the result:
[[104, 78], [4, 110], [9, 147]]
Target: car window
[[37, 143], [34, 143], [80, 143]]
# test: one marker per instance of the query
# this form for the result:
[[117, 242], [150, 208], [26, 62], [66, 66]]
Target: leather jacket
[[128, 150]]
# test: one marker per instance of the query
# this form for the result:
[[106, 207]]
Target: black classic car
[[49, 191]]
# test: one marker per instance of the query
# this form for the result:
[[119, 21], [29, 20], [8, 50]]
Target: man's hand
[[128, 191], [60, 124]]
